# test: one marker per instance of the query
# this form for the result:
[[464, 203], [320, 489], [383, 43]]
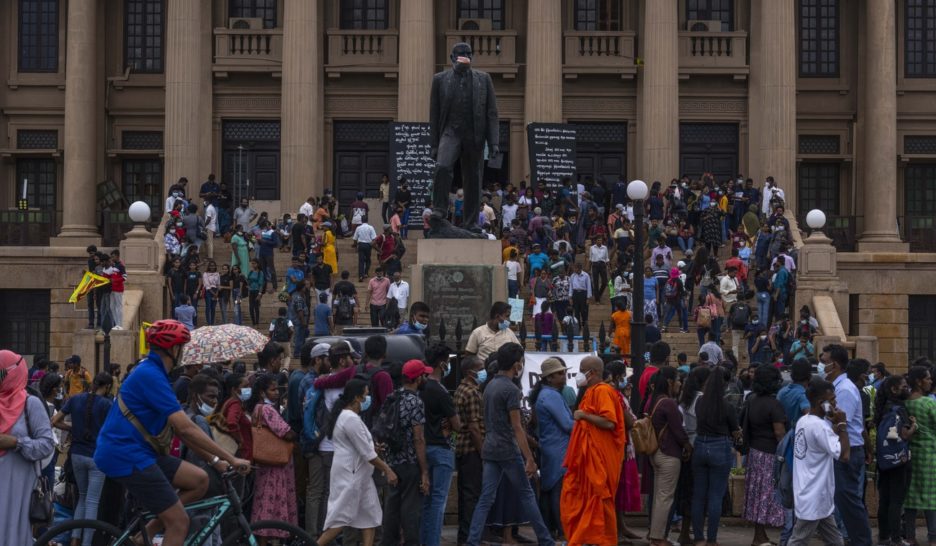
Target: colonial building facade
[[110, 101]]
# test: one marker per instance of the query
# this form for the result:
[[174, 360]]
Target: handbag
[[40, 501], [646, 440], [268, 448], [742, 443]]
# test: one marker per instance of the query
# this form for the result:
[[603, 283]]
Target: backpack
[[646, 440], [387, 428], [314, 417], [345, 311], [704, 317], [740, 315], [892, 450], [280, 329], [671, 290], [783, 469]]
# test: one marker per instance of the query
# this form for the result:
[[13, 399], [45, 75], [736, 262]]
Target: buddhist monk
[[593, 461]]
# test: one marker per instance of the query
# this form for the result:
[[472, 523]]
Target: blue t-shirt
[[148, 394], [322, 312], [84, 432], [537, 261], [794, 401], [186, 315], [294, 275]]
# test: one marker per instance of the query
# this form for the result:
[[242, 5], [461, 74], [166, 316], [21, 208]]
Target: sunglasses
[[6, 371]]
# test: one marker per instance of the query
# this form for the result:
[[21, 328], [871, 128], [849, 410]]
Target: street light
[[139, 212], [637, 192], [815, 219]]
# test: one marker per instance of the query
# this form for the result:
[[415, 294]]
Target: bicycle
[[106, 534]]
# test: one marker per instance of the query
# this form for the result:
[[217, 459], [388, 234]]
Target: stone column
[[79, 225], [416, 59], [542, 96], [658, 116], [187, 84], [880, 131], [302, 144], [772, 95]]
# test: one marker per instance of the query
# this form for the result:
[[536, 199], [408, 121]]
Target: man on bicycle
[[133, 443]]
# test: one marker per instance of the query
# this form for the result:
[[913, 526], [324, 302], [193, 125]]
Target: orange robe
[[622, 330], [593, 468]]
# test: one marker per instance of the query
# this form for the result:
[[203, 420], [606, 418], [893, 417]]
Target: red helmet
[[167, 333]]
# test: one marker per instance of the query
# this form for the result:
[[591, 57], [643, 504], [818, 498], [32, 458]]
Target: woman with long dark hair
[[88, 412], [764, 428], [353, 501], [691, 392], [674, 444], [892, 480], [921, 495], [712, 455]]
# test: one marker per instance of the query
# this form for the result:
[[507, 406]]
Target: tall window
[[920, 189], [920, 47], [819, 187], [24, 321], [364, 14], [483, 9], [39, 174], [598, 15], [38, 35], [142, 181], [261, 9], [921, 326], [143, 43], [711, 10], [818, 42]]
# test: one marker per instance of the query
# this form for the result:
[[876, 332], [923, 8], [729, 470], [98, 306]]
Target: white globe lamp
[[139, 212], [637, 190], [815, 219]]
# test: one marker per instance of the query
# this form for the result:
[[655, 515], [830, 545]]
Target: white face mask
[[581, 379]]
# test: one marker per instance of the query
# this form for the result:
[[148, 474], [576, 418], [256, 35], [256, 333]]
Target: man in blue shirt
[[418, 321], [555, 422], [537, 260], [133, 444], [849, 475], [323, 316], [295, 275], [793, 396]]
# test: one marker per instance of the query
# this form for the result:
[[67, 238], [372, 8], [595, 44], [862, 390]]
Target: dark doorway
[[601, 151], [922, 326], [251, 159], [362, 152], [708, 148], [24, 326]]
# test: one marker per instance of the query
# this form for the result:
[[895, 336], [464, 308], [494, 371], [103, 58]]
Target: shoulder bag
[[161, 443], [268, 448], [646, 440]]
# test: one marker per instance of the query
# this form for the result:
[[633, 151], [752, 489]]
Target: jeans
[[91, 323], [560, 309], [763, 308], [404, 221], [513, 471], [513, 288], [910, 515], [580, 307], [803, 531], [364, 259], [376, 315], [224, 301], [300, 333], [268, 266], [685, 243], [849, 497], [712, 460], [90, 483], [672, 308], [716, 327], [892, 490], [549, 506], [211, 305], [469, 490], [441, 461], [317, 491], [599, 279], [402, 508], [788, 520]]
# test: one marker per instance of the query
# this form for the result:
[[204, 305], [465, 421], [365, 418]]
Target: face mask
[[448, 370], [827, 407], [244, 394], [59, 396], [420, 326], [503, 325], [871, 377], [581, 379], [205, 409], [622, 384], [365, 405], [820, 370], [482, 376]]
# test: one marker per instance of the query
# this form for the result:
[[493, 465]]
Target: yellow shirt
[[77, 382], [483, 341]]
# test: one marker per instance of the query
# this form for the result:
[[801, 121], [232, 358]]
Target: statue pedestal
[[459, 279]]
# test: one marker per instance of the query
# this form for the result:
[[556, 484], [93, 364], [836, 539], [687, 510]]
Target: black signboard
[[552, 152], [456, 292], [409, 157]]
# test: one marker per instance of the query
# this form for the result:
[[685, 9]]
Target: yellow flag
[[88, 282], [144, 348]]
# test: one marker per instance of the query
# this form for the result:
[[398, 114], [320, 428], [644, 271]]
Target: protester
[[554, 427], [921, 493], [491, 336], [674, 446], [764, 426], [895, 430], [77, 378], [469, 440]]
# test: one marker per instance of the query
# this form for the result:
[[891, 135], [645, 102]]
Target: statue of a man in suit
[[462, 118]]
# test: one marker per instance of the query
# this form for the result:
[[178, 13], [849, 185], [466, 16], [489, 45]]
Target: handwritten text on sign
[[552, 152], [410, 145]]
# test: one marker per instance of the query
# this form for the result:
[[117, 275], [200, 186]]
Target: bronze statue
[[462, 117]]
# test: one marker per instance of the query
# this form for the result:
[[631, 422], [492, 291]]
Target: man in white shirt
[[598, 257], [399, 289], [488, 338], [508, 212], [580, 286], [211, 226], [363, 236], [728, 287], [817, 444], [308, 208], [771, 190], [662, 250], [514, 274]]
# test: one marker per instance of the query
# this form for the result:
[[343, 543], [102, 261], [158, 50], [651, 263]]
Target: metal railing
[[114, 226], [919, 231], [26, 228], [843, 230]]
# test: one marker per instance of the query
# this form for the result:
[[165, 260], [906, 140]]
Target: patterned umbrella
[[221, 343]]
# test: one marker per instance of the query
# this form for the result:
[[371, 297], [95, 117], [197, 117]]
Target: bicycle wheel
[[294, 535], [104, 534]]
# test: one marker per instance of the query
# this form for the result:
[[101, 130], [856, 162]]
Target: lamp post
[[816, 220], [637, 192]]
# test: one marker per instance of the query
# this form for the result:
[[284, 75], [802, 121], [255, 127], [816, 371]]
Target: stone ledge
[[846, 259]]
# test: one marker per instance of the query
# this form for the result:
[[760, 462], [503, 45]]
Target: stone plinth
[[818, 280], [459, 274]]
